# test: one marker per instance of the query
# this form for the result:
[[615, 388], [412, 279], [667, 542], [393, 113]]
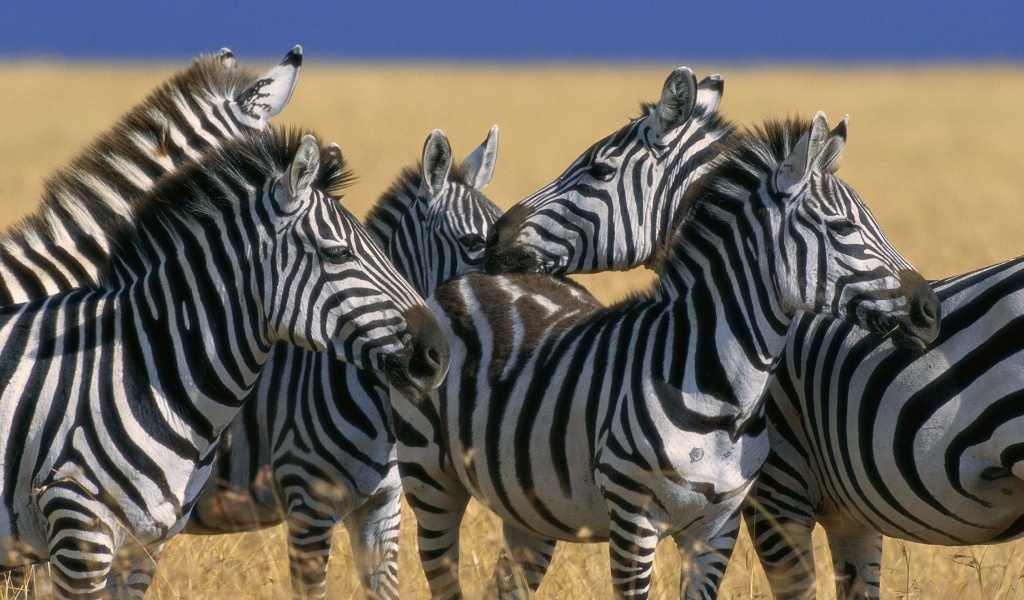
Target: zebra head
[[434, 221], [212, 101], [828, 254], [330, 288], [611, 209]]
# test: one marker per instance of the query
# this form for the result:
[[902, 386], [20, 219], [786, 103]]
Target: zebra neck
[[728, 320], [201, 346]]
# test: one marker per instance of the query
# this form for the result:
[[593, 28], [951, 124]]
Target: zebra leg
[[373, 532], [81, 543], [522, 564], [632, 541], [856, 558], [133, 569], [704, 563], [781, 535], [439, 502], [310, 533]]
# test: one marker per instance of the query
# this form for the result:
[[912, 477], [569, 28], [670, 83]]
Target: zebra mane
[[749, 157], [207, 76], [385, 216], [195, 193]]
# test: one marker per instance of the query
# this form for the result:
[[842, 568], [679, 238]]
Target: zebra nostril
[[428, 360], [930, 312], [425, 364]]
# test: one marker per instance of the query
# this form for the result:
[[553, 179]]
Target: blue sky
[[867, 31]]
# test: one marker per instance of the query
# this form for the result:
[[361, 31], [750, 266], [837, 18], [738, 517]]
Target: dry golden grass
[[934, 151]]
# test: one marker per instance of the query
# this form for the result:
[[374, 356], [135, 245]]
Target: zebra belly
[[224, 507]]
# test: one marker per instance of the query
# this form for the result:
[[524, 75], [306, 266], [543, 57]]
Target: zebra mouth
[[422, 365], [904, 333], [514, 260]]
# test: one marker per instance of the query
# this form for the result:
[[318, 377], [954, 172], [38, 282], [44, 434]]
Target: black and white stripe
[[314, 445], [573, 224], [869, 439], [116, 394], [64, 244], [644, 420]]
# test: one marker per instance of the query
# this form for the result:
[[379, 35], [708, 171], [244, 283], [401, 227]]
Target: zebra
[[869, 439], [64, 243], [643, 420], [115, 394], [530, 238], [328, 454]]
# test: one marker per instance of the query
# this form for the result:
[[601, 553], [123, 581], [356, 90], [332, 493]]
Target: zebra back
[[63, 244]]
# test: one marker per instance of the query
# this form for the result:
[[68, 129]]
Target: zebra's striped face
[[434, 221], [457, 224], [611, 209], [831, 256], [331, 289]]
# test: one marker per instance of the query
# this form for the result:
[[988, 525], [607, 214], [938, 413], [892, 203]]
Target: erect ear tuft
[[709, 93], [828, 160], [819, 134], [227, 58], [436, 164], [678, 98], [480, 164], [271, 92], [304, 166]]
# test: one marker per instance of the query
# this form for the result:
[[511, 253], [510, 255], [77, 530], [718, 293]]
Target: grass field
[[935, 152]]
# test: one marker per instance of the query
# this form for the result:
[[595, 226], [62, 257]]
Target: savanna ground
[[934, 151]]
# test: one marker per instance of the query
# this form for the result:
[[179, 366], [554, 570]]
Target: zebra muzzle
[[422, 365]]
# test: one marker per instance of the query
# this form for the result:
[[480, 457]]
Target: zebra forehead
[[401, 196]]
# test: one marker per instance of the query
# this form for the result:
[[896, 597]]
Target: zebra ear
[[832, 151], [304, 166], [227, 58], [480, 164], [271, 92], [436, 165], [797, 166], [678, 98], [709, 93]]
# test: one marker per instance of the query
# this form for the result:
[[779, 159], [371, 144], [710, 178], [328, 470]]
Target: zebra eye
[[337, 254], [843, 227], [601, 171], [473, 241]]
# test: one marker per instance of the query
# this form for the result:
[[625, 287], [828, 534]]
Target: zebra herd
[[196, 336]]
